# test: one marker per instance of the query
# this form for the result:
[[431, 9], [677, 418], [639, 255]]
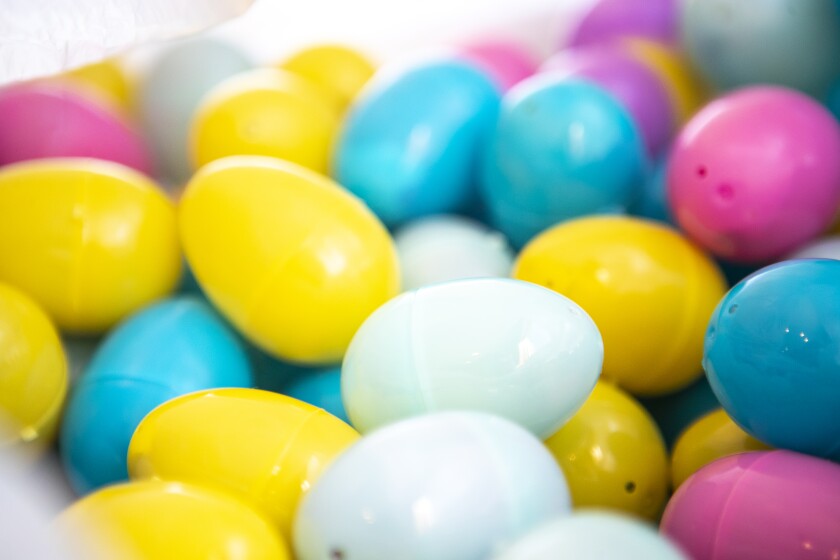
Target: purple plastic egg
[[610, 19], [508, 63]]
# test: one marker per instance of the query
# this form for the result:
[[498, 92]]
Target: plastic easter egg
[[793, 44], [674, 412], [607, 20], [731, 189], [613, 455], [631, 82], [775, 505], [708, 439], [33, 372], [561, 149], [593, 535], [300, 264], [833, 99], [444, 486], [321, 388], [652, 199], [107, 79], [157, 520], [166, 350], [770, 356], [823, 248], [268, 112], [56, 119], [507, 62], [339, 69], [410, 144], [171, 91], [495, 345], [649, 290], [267, 448], [442, 248], [91, 241]]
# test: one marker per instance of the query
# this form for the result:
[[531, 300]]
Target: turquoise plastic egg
[[321, 388], [169, 349], [502, 346], [445, 486], [411, 141], [652, 199]]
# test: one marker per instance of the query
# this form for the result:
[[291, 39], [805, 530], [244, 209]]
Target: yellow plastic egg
[[292, 259], [91, 241], [33, 372], [712, 437], [613, 455], [107, 79], [648, 289], [154, 520], [268, 112], [266, 447], [336, 68]]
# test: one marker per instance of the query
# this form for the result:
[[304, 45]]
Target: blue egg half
[[772, 355], [411, 141], [166, 350], [321, 388], [561, 149]]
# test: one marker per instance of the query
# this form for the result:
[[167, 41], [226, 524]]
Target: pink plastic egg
[[508, 63]]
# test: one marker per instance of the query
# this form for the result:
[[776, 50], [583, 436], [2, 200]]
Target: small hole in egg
[[336, 554], [725, 192], [702, 171], [733, 308], [630, 487]]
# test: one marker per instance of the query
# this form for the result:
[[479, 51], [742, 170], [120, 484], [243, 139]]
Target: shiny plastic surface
[[608, 20], [613, 455], [410, 144], [157, 520], [91, 241], [166, 350], [321, 388], [648, 289], [339, 69], [269, 112], [442, 248], [30, 112], [445, 486], [755, 174], [507, 62], [33, 372], [267, 448], [774, 505], [771, 356], [593, 535], [290, 258], [561, 149], [711, 437], [495, 345]]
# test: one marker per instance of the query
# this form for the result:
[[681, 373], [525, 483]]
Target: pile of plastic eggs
[[468, 305]]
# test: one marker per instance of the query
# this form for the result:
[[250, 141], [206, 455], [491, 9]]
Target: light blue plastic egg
[[169, 349], [411, 141], [502, 346], [824, 248], [561, 149], [593, 535], [445, 486]]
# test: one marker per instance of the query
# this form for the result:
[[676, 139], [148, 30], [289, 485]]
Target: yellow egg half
[[337, 68]]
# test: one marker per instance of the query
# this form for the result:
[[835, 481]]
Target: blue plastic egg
[[445, 486], [561, 149], [321, 388], [411, 141], [502, 346], [772, 356], [677, 411], [652, 199], [174, 347]]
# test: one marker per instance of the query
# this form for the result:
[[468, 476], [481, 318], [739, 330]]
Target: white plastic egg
[[823, 248]]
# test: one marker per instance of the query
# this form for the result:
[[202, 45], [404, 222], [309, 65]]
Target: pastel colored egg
[[776, 505], [710, 438], [157, 520], [613, 455], [793, 44], [268, 449], [755, 174], [771, 356], [608, 20], [652, 201], [56, 119], [674, 412], [495, 345], [33, 373], [91, 241], [410, 143], [166, 350], [561, 149], [289, 257], [592, 535], [649, 290], [824, 248], [443, 248], [507, 62], [451, 485], [339, 69], [107, 79], [321, 388], [269, 112], [170, 92]]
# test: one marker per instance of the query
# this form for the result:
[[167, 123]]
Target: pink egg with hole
[[756, 174], [507, 62], [44, 120]]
